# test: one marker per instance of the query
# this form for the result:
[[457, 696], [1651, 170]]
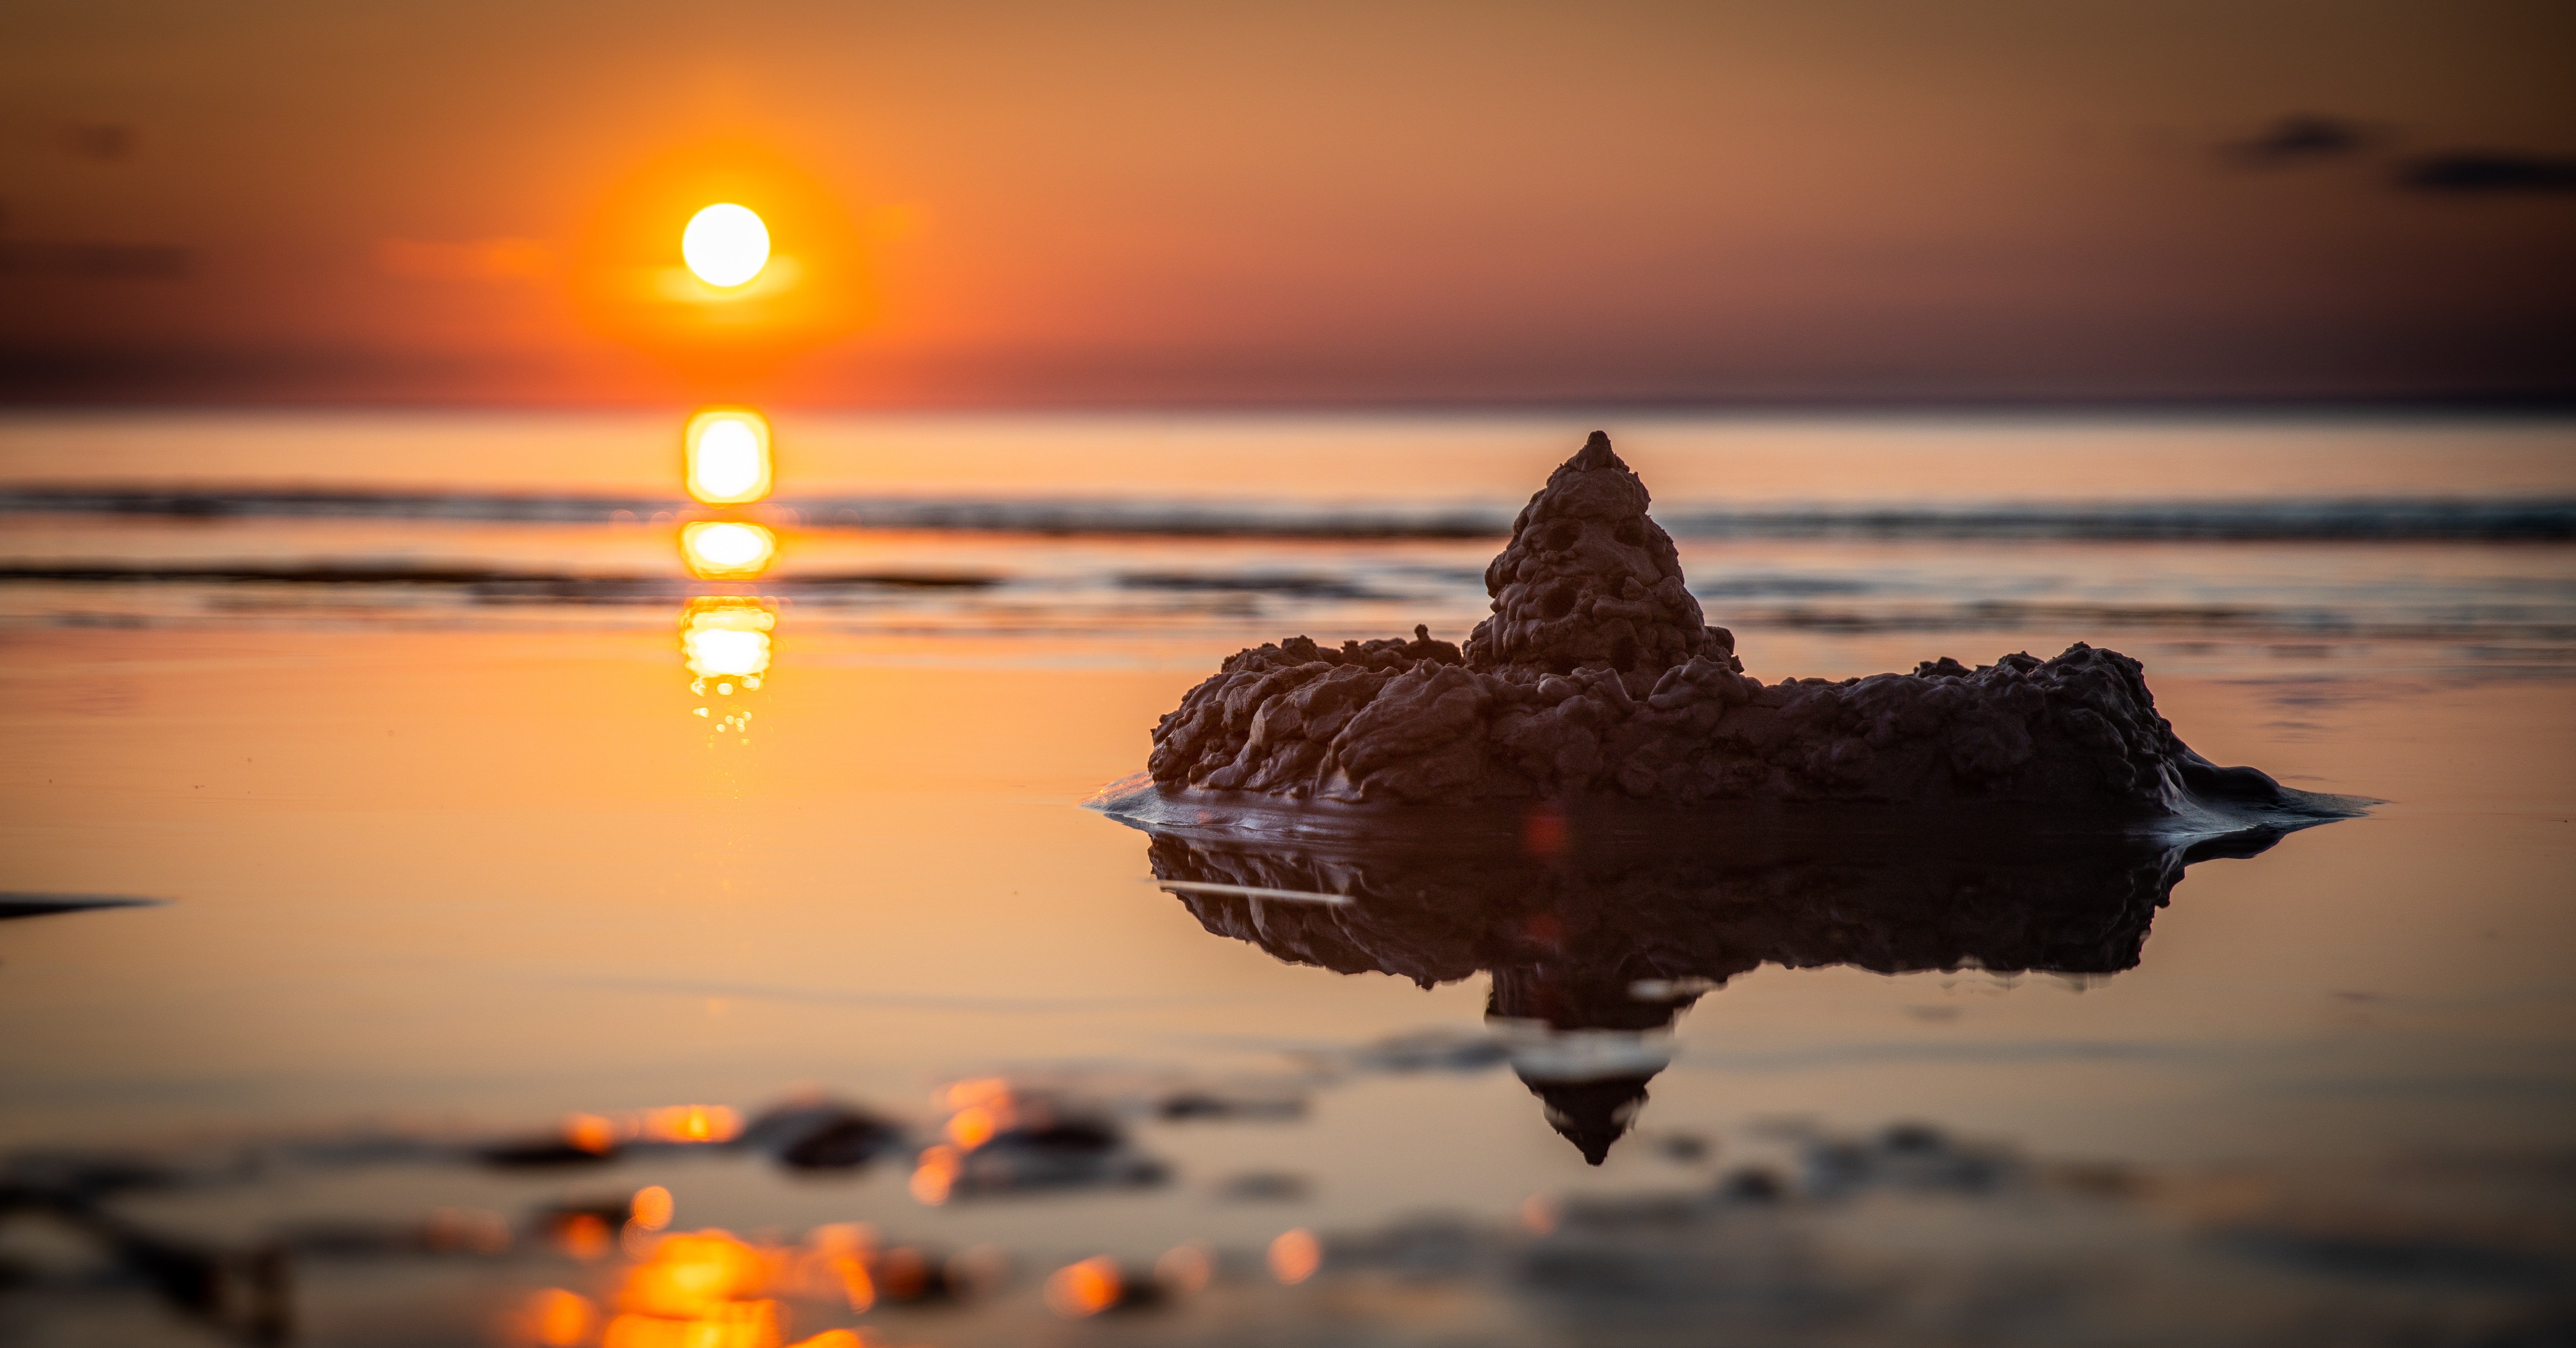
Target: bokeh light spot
[[591, 1133], [693, 1123], [1082, 1289], [935, 1176], [651, 1207], [560, 1319], [1295, 1256]]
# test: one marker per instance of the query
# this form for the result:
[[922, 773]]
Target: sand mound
[[1596, 677]]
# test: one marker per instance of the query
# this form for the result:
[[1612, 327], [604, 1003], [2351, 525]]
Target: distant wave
[[2541, 520], [190, 503], [2540, 634], [2546, 521], [2289, 622], [489, 581]]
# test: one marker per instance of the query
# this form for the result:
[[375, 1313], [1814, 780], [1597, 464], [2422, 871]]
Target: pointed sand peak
[[1596, 453], [1588, 581]]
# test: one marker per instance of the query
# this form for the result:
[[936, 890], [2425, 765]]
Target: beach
[[392, 716]]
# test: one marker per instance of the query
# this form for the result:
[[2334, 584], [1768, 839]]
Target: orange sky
[[1211, 204]]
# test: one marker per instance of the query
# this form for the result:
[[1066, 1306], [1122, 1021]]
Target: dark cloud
[[2487, 172], [2302, 138], [106, 142], [97, 261]]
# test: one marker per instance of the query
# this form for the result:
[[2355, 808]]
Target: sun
[[725, 244]]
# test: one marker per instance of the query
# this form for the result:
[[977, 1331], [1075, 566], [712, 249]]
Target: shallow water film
[[442, 906]]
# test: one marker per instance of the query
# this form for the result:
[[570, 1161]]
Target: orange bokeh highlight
[[711, 1289], [975, 1091], [975, 1125], [651, 1208], [1295, 1256], [591, 1133], [839, 1263], [935, 1174], [750, 1324], [560, 1319], [585, 1236], [693, 1123], [696, 1291], [1083, 1289], [981, 1108]]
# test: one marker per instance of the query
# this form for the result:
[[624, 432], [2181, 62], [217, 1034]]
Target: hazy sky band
[[1161, 204]]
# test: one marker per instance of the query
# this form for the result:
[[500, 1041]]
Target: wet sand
[[421, 874]]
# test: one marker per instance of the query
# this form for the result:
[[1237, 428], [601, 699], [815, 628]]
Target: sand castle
[[1666, 821], [1597, 677]]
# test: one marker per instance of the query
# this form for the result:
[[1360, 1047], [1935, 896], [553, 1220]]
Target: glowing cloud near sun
[[725, 244]]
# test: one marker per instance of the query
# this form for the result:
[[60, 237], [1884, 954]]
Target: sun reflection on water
[[726, 644], [725, 456], [725, 640], [727, 549]]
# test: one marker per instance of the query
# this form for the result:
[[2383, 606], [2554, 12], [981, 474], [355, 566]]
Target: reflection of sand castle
[[1596, 677], [1609, 939]]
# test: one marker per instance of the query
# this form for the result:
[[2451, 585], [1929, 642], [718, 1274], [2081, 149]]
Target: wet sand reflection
[[1599, 931]]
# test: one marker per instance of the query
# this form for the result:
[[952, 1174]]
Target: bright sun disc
[[725, 244]]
